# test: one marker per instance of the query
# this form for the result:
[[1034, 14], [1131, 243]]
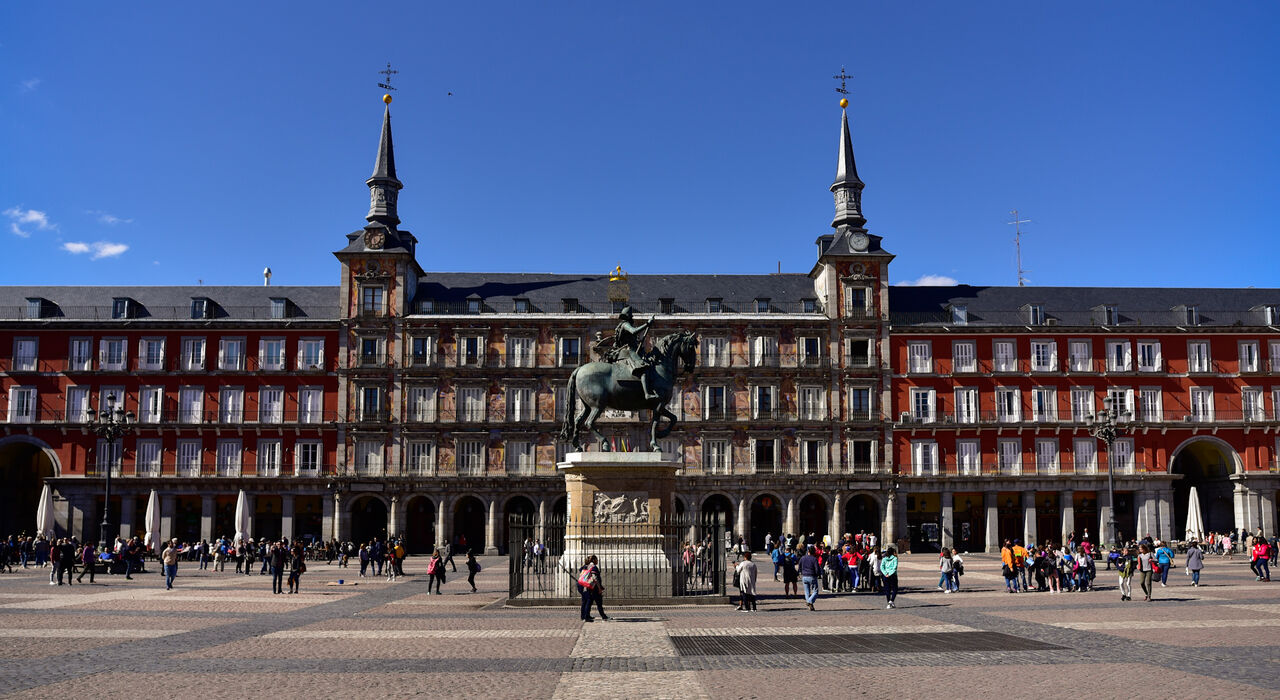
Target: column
[[251, 505], [128, 511], [1241, 502], [900, 523], [286, 517], [1067, 506], [837, 517], [168, 508], [948, 520], [1166, 529], [792, 523], [442, 522], [491, 528], [341, 523], [1029, 518], [394, 516], [740, 524], [1105, 536], [540, 532], [1147, 500], [1267, 512], [206, 517], [992, 521]]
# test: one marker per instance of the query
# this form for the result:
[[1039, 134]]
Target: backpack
[[587, 578]]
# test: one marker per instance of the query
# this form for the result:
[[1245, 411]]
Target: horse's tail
[[571, 403]]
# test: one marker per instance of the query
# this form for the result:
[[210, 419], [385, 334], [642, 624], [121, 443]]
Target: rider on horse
[[628, 340]]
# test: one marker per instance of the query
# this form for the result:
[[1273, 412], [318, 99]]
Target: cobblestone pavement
[[222, 634]]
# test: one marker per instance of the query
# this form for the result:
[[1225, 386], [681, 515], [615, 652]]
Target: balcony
[[371, 359]]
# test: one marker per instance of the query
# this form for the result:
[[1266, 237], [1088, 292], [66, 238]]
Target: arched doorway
[[766, 518], [469, 516], [560, 507], [862, 514], [368, 519], [716, 506], [516, 505], [24, 465], [267, 517], [1207, 464], [420, 526], [814, 519]]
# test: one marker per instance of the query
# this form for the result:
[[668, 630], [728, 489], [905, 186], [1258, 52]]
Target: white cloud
[[30, 84], [100, 249], [931, 281], [23, 221], [108, 218]]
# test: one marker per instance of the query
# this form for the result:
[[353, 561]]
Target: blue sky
[[173, 142]]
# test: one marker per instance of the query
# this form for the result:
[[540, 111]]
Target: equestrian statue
[[629, 377]]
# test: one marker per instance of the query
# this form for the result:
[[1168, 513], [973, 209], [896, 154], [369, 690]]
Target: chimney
[[266, 277]]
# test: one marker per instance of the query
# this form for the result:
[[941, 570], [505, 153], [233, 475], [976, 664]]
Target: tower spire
[[383, 185], [847, 187]]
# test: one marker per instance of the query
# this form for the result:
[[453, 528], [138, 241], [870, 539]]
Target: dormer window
[[1035, 315], [809, 306], [199, 307], [715, 305], [473, 306], [667, 305], [960, 314], [1272, 314], [618, 305], [427, 306], [35, 307], [522, 306], [120, 307], [1110, 315], [570, 305], [279, 307], [1192, 315], [762, 306]]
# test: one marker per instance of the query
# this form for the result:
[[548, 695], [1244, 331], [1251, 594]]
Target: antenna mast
[[1017, 244]]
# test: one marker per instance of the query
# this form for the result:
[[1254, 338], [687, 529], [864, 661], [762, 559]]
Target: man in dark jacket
[[810, 575], [66, 559], [277, 557]]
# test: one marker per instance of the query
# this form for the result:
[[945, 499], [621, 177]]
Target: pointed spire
[[383, 185], [847, 188], [846, 169]]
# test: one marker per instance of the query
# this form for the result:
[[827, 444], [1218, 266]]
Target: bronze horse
[[602, 385]]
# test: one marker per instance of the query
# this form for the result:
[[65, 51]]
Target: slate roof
[[171, 303], [1080, 306]]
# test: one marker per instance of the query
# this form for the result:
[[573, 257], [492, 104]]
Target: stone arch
[[25, 463], [516, 504], [420, 524], [813, 514], [1207, 463], [864, 511], [718, 502], [368, 512], [766, 516], [470, 515]]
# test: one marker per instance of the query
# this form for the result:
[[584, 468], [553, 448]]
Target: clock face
[[375, 239], [859, 241]]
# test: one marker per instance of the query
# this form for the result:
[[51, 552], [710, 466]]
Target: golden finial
[[844, 102], [386, 99], [617, 274]]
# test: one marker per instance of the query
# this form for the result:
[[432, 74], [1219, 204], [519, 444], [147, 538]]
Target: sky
[[180, 143]]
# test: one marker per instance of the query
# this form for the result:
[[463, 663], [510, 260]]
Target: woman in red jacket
[[1261, 553]]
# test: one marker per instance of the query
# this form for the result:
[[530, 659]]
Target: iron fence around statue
[[693, 559]]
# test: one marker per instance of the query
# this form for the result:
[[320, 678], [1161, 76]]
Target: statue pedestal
[[618, 505]]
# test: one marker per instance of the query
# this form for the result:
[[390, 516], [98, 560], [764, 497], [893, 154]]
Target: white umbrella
[[242, 516], [44, 512], [1195, 522], [152, 518]]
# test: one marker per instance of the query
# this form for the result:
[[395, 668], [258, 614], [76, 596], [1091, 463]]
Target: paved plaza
[[227, 635]]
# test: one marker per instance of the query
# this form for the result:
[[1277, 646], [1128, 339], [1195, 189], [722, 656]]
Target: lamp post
[[110, 424], [1103, 427]]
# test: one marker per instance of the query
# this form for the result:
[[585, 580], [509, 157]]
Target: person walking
[[278, 558], [944, 570], [473, 568], [1164, 555], [435, 572], [591, 588], [1260, 554], [1194, 562], [810, 574], [448, 557], [957, 570], [1009, 568], [297, 567], [1147, 564], [889, 572], [790, 576], [746, 574], [1126, 564], [66, 559], [88, 555]]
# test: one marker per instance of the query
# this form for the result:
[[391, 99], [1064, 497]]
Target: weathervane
[[388, 72], [843, 77]]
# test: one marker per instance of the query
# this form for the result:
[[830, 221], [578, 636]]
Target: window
[[1119, 356], [310, 405], [715, 306], [120, 308], [371, 353], [666, 305], [271, 354], [924, 458], [1086, 455], [920, 357], [922, 405], [109, 456], [521, 458], [764, 351], [199, 308], [1275, 412], [1044, 404], [1249, 356], [269, 452], [422, 458], [279, 308], [109, 396], [307, 457], [192, 354], [1047, 456], [862, 458], [671, 447], [762, 306], [80, 358], [968, 458], [1201, 404], [809, 306], [860, 354], [1149, 405], [1251, 404], [764, 402], [471, 455], [966, 405], [190, 404], [1193, 316], [369, 458], [562, 400], [147, 462], [859, 403], [520, 352], [310, 354], [810, 348], [228, 457], [35, 307], [1149, 359], [522, 306], [715, 351], [474, 305], [1275, 355], [370, 403], [1009, 457], [422, 404], [1121, 457], [813, 456], [22, 404], [714, 405], [570, 351], [1111, 315], [520, 404], [231, 404], [1121, 402], [471, 404], [856, 302], [1006, 360], [960, 314], [151, 353], [1198, 356], [77, 404], [1035, 315], [813, 403], [1044, 356], [764, 455], [189, 452], [715, 456], [271, 404], [1081, 355], [570, 306], [1008, 405], [964, 356], [111, 354], [24, 355], [422, 351], [371, 300], [1271, 314], [470, 350], [150, 404], [231, 354]]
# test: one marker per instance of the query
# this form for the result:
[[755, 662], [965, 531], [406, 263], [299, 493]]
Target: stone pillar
[[128, 511], [286, 516], [1267, 512], [1241, 500], [395, 517], [837, 517], [741, 526], [792, 523], [889, 532], [900, 523], [206, 517], [948, 520], [1147, 501], [1067, 506], [442, 522], [1029, 533], [540, 532], [1166, 529], [491, 528], [992, 521], [168, 508]]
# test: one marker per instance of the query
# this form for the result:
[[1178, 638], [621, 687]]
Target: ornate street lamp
[[110, 424], [1103, 427]]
